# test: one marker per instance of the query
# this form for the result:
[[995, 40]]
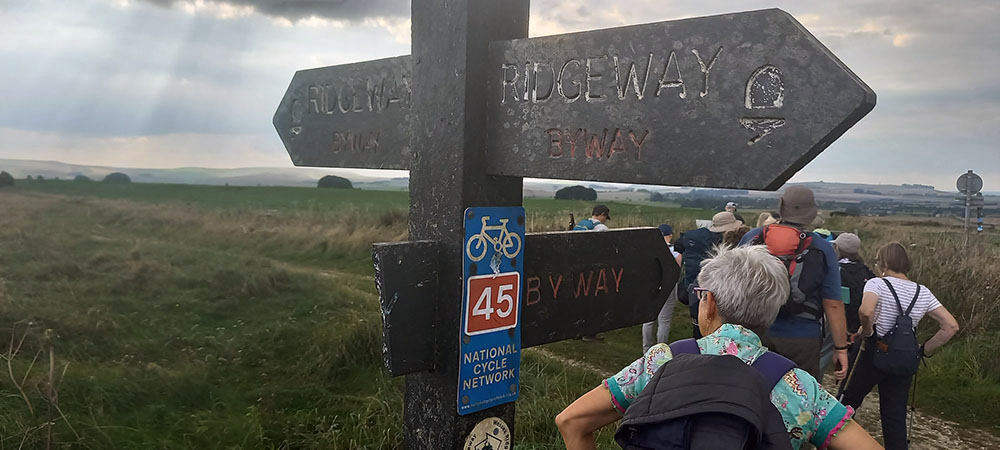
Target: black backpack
[[853, 276], [898, 353], [707, 402]]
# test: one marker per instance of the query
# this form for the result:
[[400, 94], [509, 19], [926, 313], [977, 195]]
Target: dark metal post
[[450, 39], [965, 231]]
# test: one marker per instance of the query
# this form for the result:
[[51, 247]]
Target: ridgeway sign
[[738, 100], [354, 115]]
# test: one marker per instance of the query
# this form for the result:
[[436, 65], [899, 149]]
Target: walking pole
[[843, 386]]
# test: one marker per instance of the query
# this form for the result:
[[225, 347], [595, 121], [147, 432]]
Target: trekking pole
[[843, 387]]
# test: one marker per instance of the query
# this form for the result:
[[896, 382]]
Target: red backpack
[[792, 246]]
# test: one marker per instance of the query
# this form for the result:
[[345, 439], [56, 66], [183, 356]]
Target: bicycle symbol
[[476, 247]]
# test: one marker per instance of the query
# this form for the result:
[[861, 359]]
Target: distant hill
[[252, 176], [307, 177]]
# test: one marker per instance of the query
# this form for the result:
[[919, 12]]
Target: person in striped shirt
[[878, 314]]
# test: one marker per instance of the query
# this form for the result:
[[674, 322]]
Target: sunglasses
[[701, 293]]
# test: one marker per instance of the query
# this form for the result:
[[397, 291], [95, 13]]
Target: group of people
[[778, 290]]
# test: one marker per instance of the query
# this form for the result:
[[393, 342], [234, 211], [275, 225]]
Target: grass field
[[178, 317]]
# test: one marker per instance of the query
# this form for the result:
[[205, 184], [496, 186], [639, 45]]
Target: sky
[[179, 83]]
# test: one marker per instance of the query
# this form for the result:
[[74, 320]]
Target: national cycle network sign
[[490, 336]]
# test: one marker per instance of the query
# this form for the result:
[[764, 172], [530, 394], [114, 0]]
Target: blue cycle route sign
[[490, 336]]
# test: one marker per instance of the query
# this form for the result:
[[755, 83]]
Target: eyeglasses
[[700, 293]]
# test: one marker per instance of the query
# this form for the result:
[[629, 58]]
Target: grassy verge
[[219, 317]]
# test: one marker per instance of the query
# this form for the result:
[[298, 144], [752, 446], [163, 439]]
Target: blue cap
[[666, 230]]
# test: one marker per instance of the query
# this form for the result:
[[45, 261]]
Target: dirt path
[[928, 432]]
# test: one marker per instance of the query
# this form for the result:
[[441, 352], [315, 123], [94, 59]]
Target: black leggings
[[893, 391]]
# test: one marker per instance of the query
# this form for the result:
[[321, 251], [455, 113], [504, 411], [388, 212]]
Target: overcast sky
[[172, 83]]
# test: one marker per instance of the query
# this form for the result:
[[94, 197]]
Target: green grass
[[229, 198], [227, 317]]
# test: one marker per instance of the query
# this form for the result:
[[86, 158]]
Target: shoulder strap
[[914, 302], [689, 346], [893, 290], [773, 366], [805, 241]]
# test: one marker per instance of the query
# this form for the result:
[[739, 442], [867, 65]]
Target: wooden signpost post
[[739, 100]]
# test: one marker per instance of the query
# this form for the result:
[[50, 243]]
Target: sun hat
[[798, 205], [848, 243], [723, 222]]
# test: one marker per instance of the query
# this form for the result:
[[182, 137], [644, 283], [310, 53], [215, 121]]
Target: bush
[[6, 179], [576, 193], [117, 177], [82, 178], [333, 181]]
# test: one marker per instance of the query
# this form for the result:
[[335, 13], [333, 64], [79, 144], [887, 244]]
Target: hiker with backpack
[[853, 276], [814, 277], [694, 246], [596, 221], [725, 390], [891, 307]]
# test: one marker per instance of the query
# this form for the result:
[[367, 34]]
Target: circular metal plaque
[[489, 434], [969, 183]]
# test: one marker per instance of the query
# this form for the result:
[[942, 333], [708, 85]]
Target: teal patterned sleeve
[[810, 413], [626, 385], [831, 417]]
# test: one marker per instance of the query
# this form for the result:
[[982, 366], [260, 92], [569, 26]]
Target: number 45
[[484, 306]]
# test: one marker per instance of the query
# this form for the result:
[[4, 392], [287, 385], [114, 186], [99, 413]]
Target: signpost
[[739, 100], [970, 185], [354, 115], [736, 100]]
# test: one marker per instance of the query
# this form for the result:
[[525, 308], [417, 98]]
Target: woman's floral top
[[810, 413]]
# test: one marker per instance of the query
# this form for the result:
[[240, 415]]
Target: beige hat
[[848, 243], [723, 222], [798, 205]]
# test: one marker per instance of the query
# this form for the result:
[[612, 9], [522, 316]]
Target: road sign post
[[738, 100], [970, 185]]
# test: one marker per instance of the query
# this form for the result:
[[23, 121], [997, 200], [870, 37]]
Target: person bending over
[[741, 291]]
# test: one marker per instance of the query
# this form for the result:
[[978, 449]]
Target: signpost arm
[[450, 40]]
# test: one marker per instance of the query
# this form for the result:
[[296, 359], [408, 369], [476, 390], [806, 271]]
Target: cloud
[[293, 10], [142, 70], [175, 71], [160, 151]]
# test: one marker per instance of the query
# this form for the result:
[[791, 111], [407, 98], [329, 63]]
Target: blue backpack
[[584, 225], [707, 402], [898, 353]]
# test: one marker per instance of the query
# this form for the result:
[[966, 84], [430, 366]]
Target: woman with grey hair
[[740, 290]]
